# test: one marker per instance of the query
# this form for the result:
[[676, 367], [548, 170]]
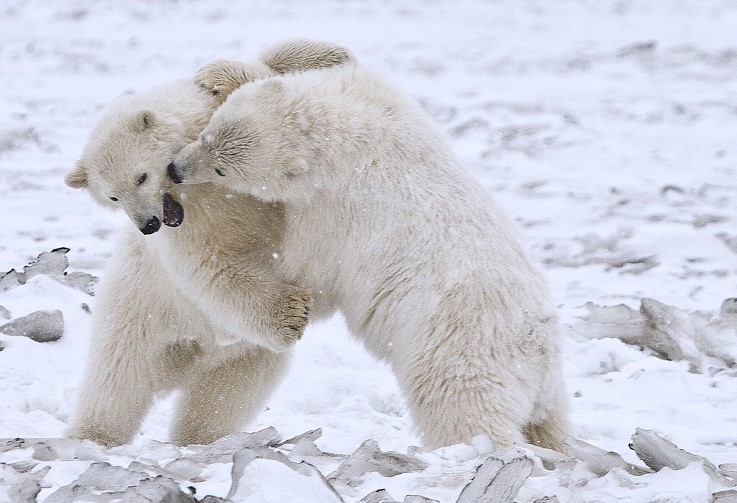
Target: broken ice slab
[[729, 470], [105, 483], [658, 453], [10, 280], [382, 496], [600, 461], [496, 481], [40, 326], [369, 458], [672, 334], [669, 333], [21, 486], [378, 496], [310, 435], [414, 498], [52, 264], [258, 471], [56, 449], [221, 451], [619, 322], [729, 496]]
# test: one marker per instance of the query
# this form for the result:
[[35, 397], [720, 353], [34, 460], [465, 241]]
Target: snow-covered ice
[[606, 129]]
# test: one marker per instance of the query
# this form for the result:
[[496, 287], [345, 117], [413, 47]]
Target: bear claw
[[294, 315]]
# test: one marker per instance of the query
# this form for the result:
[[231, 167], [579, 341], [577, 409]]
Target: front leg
[[277, 312], [132, 318], [249, 304], [221, 77]]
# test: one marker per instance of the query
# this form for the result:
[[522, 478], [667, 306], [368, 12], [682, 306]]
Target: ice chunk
[[40, 326]]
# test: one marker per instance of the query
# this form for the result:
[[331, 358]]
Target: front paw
[[294, 311], [222, 76]]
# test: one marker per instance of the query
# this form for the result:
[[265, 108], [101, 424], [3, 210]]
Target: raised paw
[[223, 76], [294, 314]]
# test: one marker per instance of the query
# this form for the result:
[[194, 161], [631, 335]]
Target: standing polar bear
[[383, 223], [170, 299]]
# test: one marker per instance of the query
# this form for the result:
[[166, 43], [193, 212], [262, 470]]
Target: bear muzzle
[[153, 225], [175, 173]]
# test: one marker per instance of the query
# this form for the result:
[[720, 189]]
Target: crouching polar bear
[[170, 298], [383, 223]]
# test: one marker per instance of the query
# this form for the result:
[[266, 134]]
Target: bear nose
[[151, 226], [174, 174]]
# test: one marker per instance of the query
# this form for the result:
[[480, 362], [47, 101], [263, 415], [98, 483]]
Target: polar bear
[[198, 310], [383, 223]]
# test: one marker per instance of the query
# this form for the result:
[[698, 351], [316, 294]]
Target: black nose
[[174, 174], [151, 226]]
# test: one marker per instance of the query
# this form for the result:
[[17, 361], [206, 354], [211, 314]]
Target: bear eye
[[113, 198], [142, 178]]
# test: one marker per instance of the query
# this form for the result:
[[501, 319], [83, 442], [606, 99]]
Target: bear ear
[[144, 120], [77, 178]]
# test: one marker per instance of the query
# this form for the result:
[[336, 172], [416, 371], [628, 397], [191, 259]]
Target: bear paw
[[293, 312], [94, 433], [222, 76], [182, 353]]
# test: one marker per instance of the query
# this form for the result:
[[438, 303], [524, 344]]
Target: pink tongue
[[173, 211]]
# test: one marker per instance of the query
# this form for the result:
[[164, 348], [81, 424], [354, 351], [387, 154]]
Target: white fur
[[383, 223], [149, 339], [198, 308]]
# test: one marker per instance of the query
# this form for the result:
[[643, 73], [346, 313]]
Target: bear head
[[248, 146], [124, 165]]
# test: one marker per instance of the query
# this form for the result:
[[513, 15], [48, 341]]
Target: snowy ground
[[606, 129]]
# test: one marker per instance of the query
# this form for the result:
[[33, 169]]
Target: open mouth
[[173, 211]]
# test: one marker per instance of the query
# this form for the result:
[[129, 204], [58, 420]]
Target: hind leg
[[549, 425], [471, 371], [220, 399], [453, 401]]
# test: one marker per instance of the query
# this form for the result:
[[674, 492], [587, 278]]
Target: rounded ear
[[77, 178], [144, 120]]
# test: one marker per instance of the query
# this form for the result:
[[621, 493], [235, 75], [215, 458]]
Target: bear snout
[[151, 226], [175, 173]]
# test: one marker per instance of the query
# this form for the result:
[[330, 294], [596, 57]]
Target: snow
[[606, 129]]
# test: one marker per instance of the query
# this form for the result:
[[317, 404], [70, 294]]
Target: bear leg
[[549, 424], [450, 408], [247, 302], [460, 382], [120, 380], [222, 399], [137, 348], [300, 55], [221, 77]]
